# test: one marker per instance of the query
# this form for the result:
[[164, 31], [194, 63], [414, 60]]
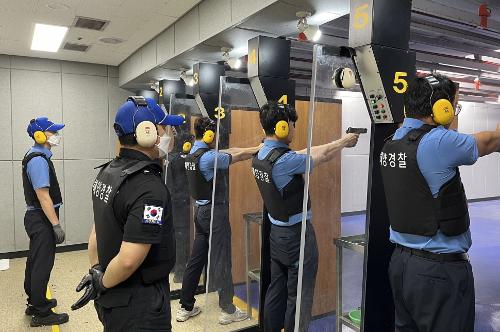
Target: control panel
[[378, 104], [372, 85]]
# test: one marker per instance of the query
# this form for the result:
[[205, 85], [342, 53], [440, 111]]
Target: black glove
[[58, 233], [92, 283]]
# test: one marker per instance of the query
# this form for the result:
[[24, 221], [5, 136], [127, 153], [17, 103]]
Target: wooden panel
[[325, 191], [244, 196], [325, 194]]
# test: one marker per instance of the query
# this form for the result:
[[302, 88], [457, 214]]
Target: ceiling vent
[[90, 23], [76, 47]]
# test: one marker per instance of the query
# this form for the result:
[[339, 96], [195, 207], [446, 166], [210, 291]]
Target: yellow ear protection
[[39, 136], [186, 147], [442, 110], [282, 129], [145, 131], [209, 135]]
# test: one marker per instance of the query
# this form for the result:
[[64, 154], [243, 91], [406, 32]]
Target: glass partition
[[232, 298], [331, 263], [176, 181]]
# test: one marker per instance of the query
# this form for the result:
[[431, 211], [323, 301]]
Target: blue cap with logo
[[136, 110], [165, 119], [43, 124]]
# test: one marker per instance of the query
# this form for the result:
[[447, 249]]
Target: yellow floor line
[[55, 328], [242, 305]]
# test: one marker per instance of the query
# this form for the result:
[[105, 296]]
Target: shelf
[[254, 275], [354, 242], [345, 320], [255, 217]]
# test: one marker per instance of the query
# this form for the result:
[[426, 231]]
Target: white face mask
[[54, 140], [163, 145]]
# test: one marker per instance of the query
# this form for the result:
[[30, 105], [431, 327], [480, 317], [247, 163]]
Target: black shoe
[[51, 319], [30, 310]]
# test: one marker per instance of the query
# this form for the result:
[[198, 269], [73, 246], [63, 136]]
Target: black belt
[[454, 257]]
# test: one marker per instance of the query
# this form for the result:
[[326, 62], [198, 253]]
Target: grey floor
[[68, 270]]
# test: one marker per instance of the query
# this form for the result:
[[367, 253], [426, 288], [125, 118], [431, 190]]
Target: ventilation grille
[[76, 47], [90, 23]]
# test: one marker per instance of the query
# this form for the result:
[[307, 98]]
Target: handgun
[[358, 131]]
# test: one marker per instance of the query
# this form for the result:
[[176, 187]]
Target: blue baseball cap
[[163, 118], [43, 124], [129, 116]]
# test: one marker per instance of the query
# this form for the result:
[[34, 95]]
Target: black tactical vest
[[412, 208], [29, 193], [109, 230], [199, 187], [176, 177], [280, 206]]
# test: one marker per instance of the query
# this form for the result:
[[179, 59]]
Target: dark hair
[[201, 125], [180, 139], [128, 139], [421, 95], [272, 112]]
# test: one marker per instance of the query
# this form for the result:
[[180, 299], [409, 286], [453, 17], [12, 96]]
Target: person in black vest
[[200, 164], [278, 172], [430, 273], [132, 244], [177, 184], [41, 221]]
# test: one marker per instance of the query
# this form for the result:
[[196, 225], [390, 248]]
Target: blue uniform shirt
[[207, 163], [38, 170], [285, 168], [439, 153]]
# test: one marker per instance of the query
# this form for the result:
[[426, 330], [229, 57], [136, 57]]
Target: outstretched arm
[[326, 152]]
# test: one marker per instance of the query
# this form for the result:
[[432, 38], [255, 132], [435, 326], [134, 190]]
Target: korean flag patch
[[152, 215]]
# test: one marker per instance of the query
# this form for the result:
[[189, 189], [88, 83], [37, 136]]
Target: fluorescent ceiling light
[[497, 50], [48, 38], [470, 56]]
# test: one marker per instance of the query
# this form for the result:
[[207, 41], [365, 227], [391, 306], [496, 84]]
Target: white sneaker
[[183, 314], [237, 316]]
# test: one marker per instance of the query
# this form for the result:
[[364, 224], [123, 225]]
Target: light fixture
[[497, 50], [188, 79], [233, 62], [307, 32], [48, 38]]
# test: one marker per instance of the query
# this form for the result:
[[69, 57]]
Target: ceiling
[[443, 33], [136, 22]]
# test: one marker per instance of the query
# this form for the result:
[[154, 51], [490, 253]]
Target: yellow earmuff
[[186, 147], [443, 112], [281, 129], [39, 137], [146, 134], [208, 136], [184, 116]]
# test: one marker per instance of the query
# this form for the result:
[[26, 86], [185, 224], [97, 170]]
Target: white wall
[[355, 160], [482, 179], [83, 96]]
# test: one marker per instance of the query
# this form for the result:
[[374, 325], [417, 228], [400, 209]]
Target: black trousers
[[40, 261], [431, 296], [180, 212], [281, 296], [136, 308], [221, 278]]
